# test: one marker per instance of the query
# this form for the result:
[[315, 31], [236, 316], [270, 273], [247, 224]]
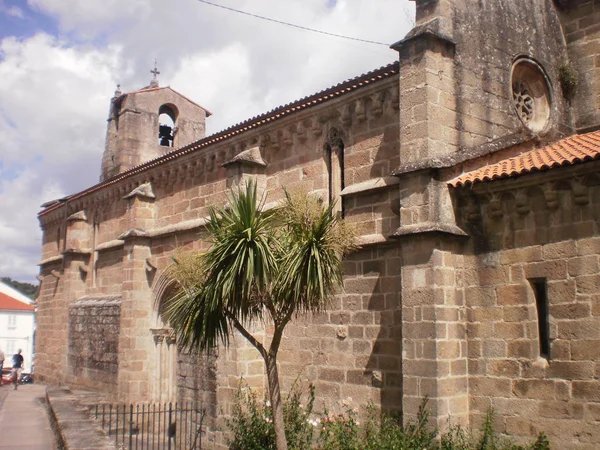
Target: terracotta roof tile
[[9, 303], [572, 150], [268, 117]]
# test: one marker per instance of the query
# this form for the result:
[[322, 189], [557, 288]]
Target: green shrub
[[251, 428], [251, 422]]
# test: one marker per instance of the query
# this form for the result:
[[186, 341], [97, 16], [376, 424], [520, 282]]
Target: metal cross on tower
[[154, 72]]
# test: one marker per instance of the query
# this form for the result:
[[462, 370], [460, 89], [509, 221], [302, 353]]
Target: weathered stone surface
[[445, 308]]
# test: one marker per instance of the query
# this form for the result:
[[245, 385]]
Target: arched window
[[334, 157], [166, 125]]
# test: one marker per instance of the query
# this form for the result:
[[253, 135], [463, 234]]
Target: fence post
[[170, 429], [130, 425]]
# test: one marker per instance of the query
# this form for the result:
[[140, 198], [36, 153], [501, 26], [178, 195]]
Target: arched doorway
[[164, 377]]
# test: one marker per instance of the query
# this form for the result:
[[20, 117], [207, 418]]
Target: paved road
[[24, 424]]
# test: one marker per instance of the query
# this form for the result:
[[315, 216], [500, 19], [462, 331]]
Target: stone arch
[[164, 376], [167, 121]]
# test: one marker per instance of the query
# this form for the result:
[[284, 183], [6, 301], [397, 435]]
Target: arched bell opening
[[167, 117]]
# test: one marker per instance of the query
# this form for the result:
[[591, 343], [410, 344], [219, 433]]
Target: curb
[[74, 427]]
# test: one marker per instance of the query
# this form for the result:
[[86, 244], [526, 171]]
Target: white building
[[17, 325]]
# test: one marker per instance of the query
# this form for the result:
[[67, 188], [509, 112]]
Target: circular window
[[531, 94]]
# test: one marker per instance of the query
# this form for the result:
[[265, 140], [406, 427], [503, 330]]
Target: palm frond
[[311, 269]]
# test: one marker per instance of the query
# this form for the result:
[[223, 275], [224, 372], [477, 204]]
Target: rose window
[[531, 94]]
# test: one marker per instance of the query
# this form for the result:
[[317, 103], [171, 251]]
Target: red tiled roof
[[572, 150], [263, 119], [7, 302]]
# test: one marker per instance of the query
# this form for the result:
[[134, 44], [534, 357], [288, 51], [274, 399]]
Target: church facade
[[470, 169]]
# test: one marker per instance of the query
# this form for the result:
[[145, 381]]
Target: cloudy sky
[[60, 61]]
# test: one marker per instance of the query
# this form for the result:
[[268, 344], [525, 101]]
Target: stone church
[[470, 169]]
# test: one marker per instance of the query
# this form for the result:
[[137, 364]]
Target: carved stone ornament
[[78, 216], [495, 210], [346, 115], [317, 129], [301, 132], [143, 191], [531, 94], [161, 335], [377, 105], [361, 115], [522, 202], [251, 156], [580, 192], [551, 197], [334, 138]]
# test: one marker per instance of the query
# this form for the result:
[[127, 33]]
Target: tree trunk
[[276, 404]]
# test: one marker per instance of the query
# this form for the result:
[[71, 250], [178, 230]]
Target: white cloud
[[20, 238], [55, 90], [14, 11], [54, 102]]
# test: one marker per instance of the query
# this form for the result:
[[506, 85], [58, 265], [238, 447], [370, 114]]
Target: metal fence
[[165, 426]]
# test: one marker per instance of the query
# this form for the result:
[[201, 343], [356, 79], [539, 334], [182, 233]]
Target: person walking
[[17, 367]]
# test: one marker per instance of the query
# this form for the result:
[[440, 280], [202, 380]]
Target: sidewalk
[[24, 422]]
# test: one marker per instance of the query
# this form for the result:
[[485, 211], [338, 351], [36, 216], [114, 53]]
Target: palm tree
[[262, 265]]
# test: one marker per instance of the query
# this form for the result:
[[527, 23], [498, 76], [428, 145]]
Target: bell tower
[[148, 123]]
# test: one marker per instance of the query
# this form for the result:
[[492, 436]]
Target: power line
[[300, 27]]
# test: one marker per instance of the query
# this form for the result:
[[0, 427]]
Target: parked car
[[6, 376], [25, 378]]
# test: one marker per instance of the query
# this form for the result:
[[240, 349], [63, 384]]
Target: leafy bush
[[251, 422], [251, 427]]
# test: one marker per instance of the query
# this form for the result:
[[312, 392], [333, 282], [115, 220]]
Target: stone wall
[[353, 349], [526, 233], [94, 327], [581, 19], [135, 227]]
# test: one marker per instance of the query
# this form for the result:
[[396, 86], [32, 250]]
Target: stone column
[[76, 256], [433, 321], [135, 341]]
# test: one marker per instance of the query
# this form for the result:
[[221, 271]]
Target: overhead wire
[[300, 27]]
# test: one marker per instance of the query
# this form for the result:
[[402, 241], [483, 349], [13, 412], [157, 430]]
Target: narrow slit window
[[540, 291], [335, 167]]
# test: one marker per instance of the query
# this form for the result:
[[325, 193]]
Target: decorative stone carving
[[334, 138], [551, 196], [472, 210], [522, 203], [263, 141], [395, 97], [78, 216], [346, 115], [580, 192], [287, 138], [317, 129], [377, 104], [142, 191], [361, 114], [251, 156], [531, 94], [301, 132], [495, 210], [161, 335], [274, 140]]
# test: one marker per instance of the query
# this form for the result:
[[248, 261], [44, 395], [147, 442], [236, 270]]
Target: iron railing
[[164, 426]]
